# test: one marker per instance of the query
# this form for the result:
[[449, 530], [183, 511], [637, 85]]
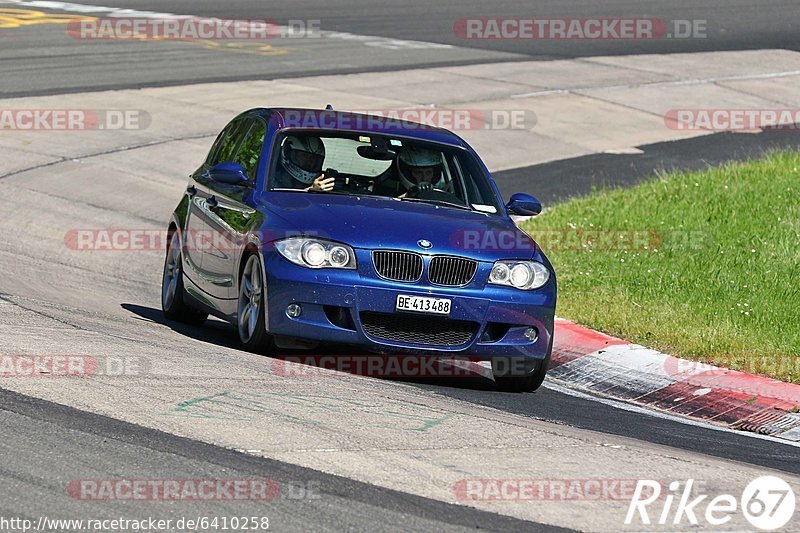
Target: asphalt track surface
[[38, 59], [75, 438], [46, 444], [732, 25]]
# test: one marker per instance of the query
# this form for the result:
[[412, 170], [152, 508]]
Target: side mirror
[[232, 173], [523, 205]]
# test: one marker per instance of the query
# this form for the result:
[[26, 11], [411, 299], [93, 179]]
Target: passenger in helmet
[[301, 164]]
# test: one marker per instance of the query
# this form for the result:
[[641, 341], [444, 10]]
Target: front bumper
[[334, 303]]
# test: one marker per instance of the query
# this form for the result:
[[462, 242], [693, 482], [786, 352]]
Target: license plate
[[423, 304]]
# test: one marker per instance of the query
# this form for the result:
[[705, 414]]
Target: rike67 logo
[[767, 503]]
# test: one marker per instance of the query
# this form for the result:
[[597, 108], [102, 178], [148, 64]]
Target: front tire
[[250, 310], [172, 292], [528, 383]]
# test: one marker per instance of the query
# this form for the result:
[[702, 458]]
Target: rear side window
[[250, 150]]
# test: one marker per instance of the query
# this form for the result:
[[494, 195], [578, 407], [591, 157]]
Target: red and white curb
[[601, 364]]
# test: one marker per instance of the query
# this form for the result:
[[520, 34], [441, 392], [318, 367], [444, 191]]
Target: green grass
[[719, 279]]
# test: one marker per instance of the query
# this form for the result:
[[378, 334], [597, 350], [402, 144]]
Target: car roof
[[284, 118]]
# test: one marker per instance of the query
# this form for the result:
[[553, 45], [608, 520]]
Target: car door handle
[[212, 202], [192, 190]]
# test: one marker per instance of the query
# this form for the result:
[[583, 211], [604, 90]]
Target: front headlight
[[312, 252], [525, 275]]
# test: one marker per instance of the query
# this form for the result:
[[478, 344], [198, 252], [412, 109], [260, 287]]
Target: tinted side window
[[479, 191], [250, 150], [231, 141], [217, 142]]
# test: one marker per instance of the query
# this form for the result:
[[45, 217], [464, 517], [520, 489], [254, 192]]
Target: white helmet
[[303, 171], [413, 157]]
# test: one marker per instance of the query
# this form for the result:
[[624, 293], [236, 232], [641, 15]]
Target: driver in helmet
[[301, 164], [420, 170]]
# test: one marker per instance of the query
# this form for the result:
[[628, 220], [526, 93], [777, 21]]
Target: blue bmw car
[[316, 227]]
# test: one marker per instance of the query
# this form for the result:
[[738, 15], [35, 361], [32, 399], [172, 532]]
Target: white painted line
[[742, 77], [624, 151], [541, 93], [671, 83]]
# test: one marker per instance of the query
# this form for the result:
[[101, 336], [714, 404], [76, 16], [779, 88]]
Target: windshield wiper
[[311, 190], [435, 202]]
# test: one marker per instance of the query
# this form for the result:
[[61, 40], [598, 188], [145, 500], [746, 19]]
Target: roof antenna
[[329, 107]]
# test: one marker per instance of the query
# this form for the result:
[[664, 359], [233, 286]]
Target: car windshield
[[381, 166]]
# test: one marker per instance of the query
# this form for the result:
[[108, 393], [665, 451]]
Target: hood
[[370, 222]]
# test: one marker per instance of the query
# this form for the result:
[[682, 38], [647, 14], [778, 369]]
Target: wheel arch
[[172, 227], [253, 248]]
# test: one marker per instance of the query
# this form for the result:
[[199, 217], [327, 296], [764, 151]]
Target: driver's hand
[[421, 187], [322, 183]]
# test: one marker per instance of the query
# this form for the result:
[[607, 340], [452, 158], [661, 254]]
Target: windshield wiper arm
[[435, 202], [284, 189], [320, 191]]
